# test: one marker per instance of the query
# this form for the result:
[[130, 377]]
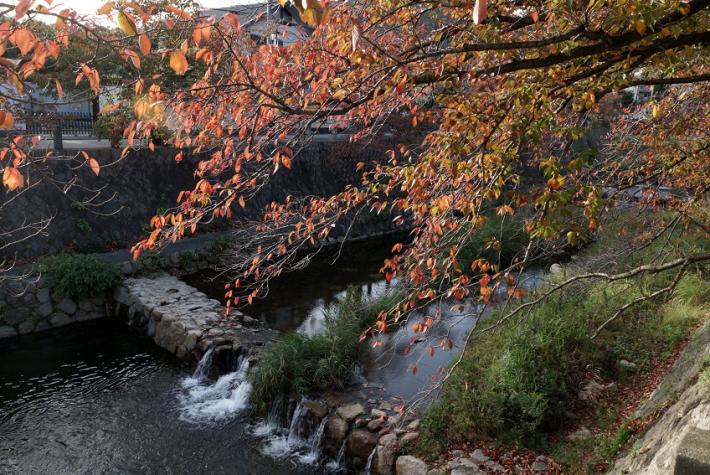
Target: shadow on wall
[[112, 210]]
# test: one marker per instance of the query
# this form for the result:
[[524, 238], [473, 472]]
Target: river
[[96, 398]]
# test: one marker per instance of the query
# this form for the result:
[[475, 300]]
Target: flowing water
[[95, 398]]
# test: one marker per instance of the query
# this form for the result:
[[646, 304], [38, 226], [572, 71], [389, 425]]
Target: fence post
[[58, 143]]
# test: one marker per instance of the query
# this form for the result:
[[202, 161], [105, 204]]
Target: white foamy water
[[203, 400], [293, 441]]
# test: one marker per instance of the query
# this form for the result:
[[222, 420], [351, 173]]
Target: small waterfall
[[314, 443], [294, 430], [283, 443], [204, 401], [272, 423], [203, 367], [335, 465], [368, 465], [291, 441], [201, 372]]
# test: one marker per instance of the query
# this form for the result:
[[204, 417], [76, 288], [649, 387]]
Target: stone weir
[[186, 322]]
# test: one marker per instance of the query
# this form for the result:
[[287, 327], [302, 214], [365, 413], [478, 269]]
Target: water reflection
[[296, 301]]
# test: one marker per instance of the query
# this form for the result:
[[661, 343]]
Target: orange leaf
[[60, 89], [7, 120], [480, 11], [181, 13], [178, 62], [12, 178], [21, 8], [94, 165], [197, 35], [133, 56], [106, 8], [144, 43], [24, 39]]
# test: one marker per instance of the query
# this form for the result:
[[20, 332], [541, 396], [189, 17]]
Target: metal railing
[[69, 123]]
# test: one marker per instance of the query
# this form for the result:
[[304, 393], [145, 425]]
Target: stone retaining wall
[[28, 305], [129, 191]]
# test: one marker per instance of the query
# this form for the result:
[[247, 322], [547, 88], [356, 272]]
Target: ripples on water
[[96, 399]]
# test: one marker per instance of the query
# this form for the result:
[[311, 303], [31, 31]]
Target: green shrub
[[498, 240], [78, 275], [298, 364], [111, 125]]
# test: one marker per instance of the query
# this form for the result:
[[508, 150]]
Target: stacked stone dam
[[186, 322]]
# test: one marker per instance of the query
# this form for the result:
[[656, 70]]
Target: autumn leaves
[[126, 22]]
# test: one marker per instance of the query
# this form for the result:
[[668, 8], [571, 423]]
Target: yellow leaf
[[340, 94], [12, 178], [656, 111], [127, 24], [178, 62], [312, 16], [144, 43], [640, 26]]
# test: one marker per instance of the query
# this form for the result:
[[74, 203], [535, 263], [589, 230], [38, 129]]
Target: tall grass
[[299, 364]]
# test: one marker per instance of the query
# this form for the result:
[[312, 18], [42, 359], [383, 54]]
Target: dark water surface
[[95, 398], [296, 300]]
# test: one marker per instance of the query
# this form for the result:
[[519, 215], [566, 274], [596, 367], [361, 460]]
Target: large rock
[[387, 448], [86, 305], [410, 438], [361, 443], [60, 319], [409, 465], [43, 295], [694, 453], [25, 327], [45, 309], [350, 411], [317, 408], [336, 429], [7, 331], [67, 306]]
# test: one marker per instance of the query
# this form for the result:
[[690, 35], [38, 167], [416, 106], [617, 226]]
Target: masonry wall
[[28, 306], [129, 191]]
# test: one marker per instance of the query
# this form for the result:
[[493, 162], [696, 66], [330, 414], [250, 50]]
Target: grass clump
[[299, 364], [78, 275]]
